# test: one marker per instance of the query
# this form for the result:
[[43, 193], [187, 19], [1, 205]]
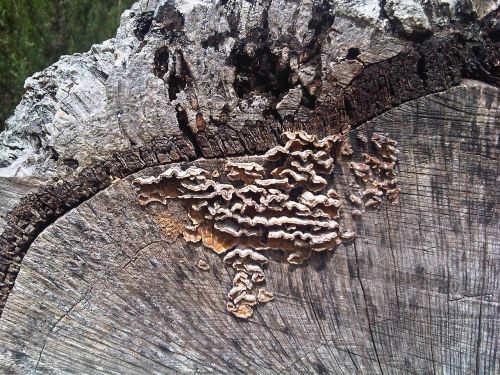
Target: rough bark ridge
[[190, 80]]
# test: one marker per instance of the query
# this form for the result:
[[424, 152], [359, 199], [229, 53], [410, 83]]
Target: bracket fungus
[[286, 202], [249, 274], [377, 172]]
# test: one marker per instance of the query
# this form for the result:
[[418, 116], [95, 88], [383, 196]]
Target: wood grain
[[102, 290]]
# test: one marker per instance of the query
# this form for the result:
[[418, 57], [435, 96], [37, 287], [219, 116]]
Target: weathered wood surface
[[103, 291], [90, 284]]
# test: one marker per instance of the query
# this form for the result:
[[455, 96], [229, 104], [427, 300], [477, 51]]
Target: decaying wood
[[284, 200], [93, 282]]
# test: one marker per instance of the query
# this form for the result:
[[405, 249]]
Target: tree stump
[[398, 100]]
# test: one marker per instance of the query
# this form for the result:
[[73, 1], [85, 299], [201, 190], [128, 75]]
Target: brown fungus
[[377, 172], [281, 201], [356, 213], [243, 294], [264, 295], [246, 172], [356, 200], [362, 137], [202, 265], [240, 311]]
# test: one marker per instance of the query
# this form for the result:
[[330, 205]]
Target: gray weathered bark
[[91, 282]]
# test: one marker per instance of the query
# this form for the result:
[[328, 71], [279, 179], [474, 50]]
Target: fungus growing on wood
[[202, 265], [284, 203], [355, 200], [377, 172], [246, 172], [248, 264]]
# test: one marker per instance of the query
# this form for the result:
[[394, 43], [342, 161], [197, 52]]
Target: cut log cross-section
[[258, 188]]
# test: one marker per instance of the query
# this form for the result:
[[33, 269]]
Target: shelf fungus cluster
[[376, 173], [284, 202], [247, 288]]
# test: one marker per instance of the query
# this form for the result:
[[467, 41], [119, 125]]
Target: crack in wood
[[52, 329], [367, 311]]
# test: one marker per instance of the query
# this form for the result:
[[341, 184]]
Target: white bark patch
[[186, 6]]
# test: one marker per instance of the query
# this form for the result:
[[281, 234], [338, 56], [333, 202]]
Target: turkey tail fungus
[[258, 187]]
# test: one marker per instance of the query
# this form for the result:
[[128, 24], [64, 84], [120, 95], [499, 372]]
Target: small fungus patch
[[376, 173], [202, 265]]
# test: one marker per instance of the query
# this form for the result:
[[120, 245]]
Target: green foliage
[[35, 33]]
